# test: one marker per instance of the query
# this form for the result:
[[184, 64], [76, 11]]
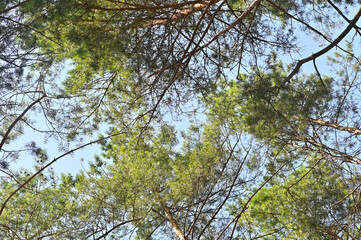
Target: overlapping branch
[[297, 68]]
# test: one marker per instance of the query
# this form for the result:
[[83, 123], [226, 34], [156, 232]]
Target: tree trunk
[[173, 222]]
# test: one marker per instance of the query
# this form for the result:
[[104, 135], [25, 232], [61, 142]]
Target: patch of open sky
[[39, 131]]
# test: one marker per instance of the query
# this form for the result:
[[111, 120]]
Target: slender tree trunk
[[175, 227]]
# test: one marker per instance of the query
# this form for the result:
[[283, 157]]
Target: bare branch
[[313, 56], [336, 126], [18, 119]]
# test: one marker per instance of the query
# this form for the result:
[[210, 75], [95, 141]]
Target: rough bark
[[173, 222], [336, 126], [181, 13]]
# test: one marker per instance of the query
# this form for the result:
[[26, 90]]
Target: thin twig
[[18, 119]]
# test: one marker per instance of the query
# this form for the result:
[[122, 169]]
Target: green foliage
[[308, 204], [41, 210], [132, 62], [149, 171], [276, 116], [147, 176]]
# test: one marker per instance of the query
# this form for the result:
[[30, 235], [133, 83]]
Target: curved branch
[[313, 56], [10, 230], [343, 16], [18, 119], [116, 226], [322, 51]]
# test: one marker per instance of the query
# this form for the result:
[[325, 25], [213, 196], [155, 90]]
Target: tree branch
[[336, 126], [313, 56], [17, 120], [116, 226], [343, 16], [13, 7], [196, 7], [173, 222]]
